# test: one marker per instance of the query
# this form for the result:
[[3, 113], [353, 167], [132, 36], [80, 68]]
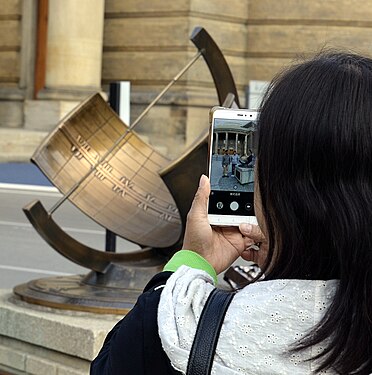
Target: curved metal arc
[[73, 250], [222, 78], [180, 184], [182, 174], [221, 73], [122, 140]]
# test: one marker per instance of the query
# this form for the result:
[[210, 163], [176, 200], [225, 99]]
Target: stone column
[[245, 144], [74, 46], [236, 142], [216, 145], [73, 60], [227, 141]]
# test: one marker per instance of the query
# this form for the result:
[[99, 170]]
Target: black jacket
[[133, 346]]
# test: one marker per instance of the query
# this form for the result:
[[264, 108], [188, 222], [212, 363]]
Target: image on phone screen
[[232, 160]]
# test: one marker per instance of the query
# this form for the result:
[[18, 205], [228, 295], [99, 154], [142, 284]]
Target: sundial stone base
[[42, 340], [114, 292]]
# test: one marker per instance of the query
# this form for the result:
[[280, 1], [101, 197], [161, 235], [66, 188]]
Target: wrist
[[191, 259]]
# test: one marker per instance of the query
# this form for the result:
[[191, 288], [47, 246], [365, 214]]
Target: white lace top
[[263, 320]]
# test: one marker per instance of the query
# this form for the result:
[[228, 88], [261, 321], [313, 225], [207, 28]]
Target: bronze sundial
[[121, 182]]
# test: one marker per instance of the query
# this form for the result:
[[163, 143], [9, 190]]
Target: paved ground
[[24, 255], [230, 183]]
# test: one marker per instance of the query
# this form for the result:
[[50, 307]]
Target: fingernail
[[202, 181], [246, 227]]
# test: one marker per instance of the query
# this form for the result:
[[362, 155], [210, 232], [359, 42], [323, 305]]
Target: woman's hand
[[255, 253], [220, 246]]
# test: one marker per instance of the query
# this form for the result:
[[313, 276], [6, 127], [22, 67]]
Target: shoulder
[[267, 317], [294, 300], [180, 307], [134, 342], [278, 312], [289, 289], [264, 318]]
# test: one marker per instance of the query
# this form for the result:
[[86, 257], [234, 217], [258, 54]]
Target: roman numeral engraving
[[145, 204], [127, 182], [172, 208], [165, 216], [119, 190], [103, 170], [83, 147]]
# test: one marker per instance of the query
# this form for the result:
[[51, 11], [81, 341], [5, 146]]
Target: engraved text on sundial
[[124, 192], [123, 185]]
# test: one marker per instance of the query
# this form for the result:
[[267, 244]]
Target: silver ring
[[255, 246]]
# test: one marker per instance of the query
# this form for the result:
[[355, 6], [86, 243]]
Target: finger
[[200, 202], [250, 255], [248, 242], [252, 231]]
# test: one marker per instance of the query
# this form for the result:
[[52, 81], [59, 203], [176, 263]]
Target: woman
[[313, 202], [225, 163]]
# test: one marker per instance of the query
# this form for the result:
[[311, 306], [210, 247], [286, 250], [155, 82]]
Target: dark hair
[[315, 178]]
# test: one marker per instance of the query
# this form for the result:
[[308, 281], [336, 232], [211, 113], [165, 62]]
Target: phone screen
[[233, 147]]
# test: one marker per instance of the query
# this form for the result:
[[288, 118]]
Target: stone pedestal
[[38, 340]]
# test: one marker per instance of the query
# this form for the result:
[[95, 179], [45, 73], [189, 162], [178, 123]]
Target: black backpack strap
[[207, 332]]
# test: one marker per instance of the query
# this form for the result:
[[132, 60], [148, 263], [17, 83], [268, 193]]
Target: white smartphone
[[232, 157]]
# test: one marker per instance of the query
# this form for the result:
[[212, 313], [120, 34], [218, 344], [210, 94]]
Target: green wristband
[[190, 259]]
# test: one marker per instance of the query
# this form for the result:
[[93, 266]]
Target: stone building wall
[[279, 32], [147, 43], [10, 42], [10, 63]]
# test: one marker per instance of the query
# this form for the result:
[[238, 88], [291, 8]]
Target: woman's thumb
[[200, 202]]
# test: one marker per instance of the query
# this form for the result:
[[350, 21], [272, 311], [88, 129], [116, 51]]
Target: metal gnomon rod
[[123, 136]]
